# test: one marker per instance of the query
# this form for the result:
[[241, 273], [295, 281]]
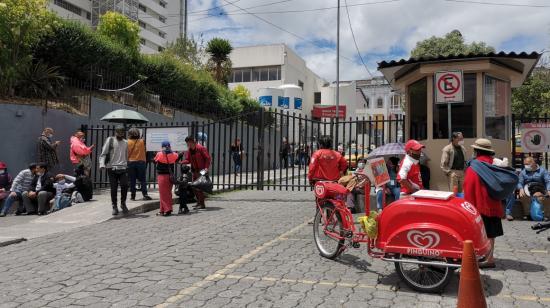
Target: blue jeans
[[395, 191], [10, 200], [136, 171], [510, 200]]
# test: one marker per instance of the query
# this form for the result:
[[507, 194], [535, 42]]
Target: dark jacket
[[46, 181]]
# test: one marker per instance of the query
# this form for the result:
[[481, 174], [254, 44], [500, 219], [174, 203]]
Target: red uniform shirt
[[476, 193], [199, 158], [409, 170], [327, 165]]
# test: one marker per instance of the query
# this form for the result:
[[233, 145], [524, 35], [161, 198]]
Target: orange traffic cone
[[470, 290]]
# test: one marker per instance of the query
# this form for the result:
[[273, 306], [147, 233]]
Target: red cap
[[3, 165], [413, 145]]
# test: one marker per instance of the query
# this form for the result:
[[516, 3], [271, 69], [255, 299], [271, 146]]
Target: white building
[[276, 71], [159, 20]]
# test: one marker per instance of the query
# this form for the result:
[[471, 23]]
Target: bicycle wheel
[[424, 278], [328, 246]]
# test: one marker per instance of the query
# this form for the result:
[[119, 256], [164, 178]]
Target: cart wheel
[[329, 247], [424, 278]]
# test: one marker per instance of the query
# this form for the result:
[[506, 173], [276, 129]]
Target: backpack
[[500, 182]]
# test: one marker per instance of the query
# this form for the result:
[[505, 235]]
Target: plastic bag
[[369, 224], [536, 209], [203, 183]]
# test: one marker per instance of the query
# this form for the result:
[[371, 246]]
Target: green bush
[[80, 54]]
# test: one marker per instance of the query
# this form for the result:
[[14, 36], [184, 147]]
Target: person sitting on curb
[[5, 183], [37, 199], [409, 176], [21, 183], [531, 174]]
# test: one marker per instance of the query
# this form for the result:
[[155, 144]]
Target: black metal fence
[[276, 146]]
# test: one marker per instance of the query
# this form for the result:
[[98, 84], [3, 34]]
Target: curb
[[13, 241]]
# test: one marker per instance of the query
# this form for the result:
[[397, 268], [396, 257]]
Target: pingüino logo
[[423, 241]]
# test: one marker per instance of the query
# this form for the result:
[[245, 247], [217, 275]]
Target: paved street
[[249, 249]]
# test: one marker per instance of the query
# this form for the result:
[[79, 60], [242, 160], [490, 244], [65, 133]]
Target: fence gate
[[275, 147]]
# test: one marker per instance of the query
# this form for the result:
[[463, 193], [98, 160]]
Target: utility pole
[[183, 19], [337, 74]]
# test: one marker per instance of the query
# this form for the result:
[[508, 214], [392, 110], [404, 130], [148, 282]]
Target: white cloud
[[384, 31]]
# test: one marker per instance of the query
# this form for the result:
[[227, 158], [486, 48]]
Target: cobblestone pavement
[[249, 249]]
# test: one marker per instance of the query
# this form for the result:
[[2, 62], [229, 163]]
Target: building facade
[[159, 20], [276, 71]]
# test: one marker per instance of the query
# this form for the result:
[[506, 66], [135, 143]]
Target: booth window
[[418, 95], [495, 99], [463, 115]]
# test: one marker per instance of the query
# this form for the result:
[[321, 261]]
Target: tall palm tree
[[219, 50]]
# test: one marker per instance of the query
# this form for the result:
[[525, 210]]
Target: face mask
[[361, 166], [40, 173], [61, 182], [2, 171], [415, 156], [528, 168], [461, 142]]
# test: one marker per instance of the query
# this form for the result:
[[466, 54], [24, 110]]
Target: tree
[[451, 44], [219, 63], [241, 91], [187, 50], [22, 24], [120, 29], [532, 99]]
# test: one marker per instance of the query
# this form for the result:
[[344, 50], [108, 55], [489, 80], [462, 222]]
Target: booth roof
[[502, 54]]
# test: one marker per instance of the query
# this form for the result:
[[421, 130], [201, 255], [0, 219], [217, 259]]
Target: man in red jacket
[[199, 158], [409, 176], [326, 164], [476, 193]]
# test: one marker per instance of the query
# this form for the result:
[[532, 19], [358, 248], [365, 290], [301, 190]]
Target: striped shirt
[[22, 181]]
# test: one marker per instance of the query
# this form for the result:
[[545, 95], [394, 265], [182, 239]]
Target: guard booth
[[463, 93]]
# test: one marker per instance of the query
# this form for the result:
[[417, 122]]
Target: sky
[[384, 29]]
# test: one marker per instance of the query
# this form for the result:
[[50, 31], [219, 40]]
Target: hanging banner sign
[[449, 86], [297, 103], [266, 101], [175, 135], [535, 137], [328, 112], [283, 102]]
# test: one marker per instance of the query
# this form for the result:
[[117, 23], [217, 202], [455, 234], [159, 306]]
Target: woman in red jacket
[[199, 158], [165, 160], [476, 193]]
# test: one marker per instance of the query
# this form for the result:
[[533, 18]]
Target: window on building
[[272, 71], [380, 103], [247, 72], [68, 6], [317, 98], [257, 74], [395, 102], [264, 74], [463, 115], [418, 95], [88, 16], [237, 76], [162, 19], [301, 84], [162, 3], [496, 96], [142, 24], [142, 41], [142, 7], [162, 34]]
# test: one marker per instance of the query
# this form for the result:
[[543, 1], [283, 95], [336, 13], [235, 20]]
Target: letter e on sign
[[449, 86]]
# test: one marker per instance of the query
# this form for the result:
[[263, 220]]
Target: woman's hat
[[166, 144], [483, 145]]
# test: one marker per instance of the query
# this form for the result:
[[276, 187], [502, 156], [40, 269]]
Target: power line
[[354, 41], [500, 4], [253, 7], [298, 11], [212, 8]]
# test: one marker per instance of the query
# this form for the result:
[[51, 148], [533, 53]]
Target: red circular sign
[[448, 84]]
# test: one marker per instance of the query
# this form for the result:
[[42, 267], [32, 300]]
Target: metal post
[[337, 73], [183, 19], [260, 169]]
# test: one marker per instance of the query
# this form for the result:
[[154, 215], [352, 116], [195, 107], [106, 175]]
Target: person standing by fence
[[47, 148], [114, 158], [237, 153], [80, 153], [199, 158], [165, 160], [136, 164]]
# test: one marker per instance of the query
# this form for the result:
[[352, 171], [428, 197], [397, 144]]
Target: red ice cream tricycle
[[423, 236]]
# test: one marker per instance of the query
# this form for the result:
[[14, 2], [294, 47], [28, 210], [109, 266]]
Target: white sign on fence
[[535, 137], [176, 136], [449, 87]]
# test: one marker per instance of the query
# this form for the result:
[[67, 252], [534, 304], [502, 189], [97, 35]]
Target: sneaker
[[133, 197], [146, 198], [124, 208], [509, 217], [2, 214], [115, 210]]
